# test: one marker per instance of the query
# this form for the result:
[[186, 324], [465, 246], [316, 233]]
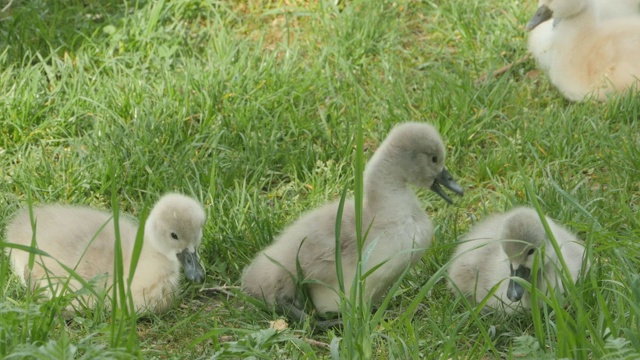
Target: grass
[[254, 107]]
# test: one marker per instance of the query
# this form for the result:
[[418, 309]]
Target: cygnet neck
[[385, 184], [149, 246], [585, 18]]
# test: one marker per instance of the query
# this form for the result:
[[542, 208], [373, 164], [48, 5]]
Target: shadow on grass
[[58, 26]]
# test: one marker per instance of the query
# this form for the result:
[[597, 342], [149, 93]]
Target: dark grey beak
[[542, 14], [515, 290], [445, 179], [192, 269]]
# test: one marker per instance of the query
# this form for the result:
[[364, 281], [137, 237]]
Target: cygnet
[[504, 247], [541, 37], [83, 239], [587, 57], [398, 230]]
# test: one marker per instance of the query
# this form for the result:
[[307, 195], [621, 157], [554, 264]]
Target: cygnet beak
[[542, 14], [192, 269], [445, 179], [515, 290]]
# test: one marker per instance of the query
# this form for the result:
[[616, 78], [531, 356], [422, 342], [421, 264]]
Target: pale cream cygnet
[[541, 37], [83, 239], [588, 57], [505, 246]]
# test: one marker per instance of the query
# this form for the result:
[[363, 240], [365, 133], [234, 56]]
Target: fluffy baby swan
[[505, 245], [541, 37], [83, 239], [399, 230], [588, 57]]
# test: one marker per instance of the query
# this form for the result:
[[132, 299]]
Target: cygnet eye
[[174, 236], [434, 159], [530, 251]]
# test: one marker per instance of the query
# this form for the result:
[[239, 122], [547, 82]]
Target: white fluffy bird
[[541, 37], [83, 239], [503, 247], [399, 230], [589, 53]]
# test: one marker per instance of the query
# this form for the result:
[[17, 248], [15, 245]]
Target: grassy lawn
[[254, 107]]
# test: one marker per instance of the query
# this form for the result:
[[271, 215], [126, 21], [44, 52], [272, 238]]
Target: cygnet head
[[526, 232], [558, 9], [418, 152], [174, 228]]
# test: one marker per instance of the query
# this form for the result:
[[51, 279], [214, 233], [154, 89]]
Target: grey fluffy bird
[[399, 230]]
